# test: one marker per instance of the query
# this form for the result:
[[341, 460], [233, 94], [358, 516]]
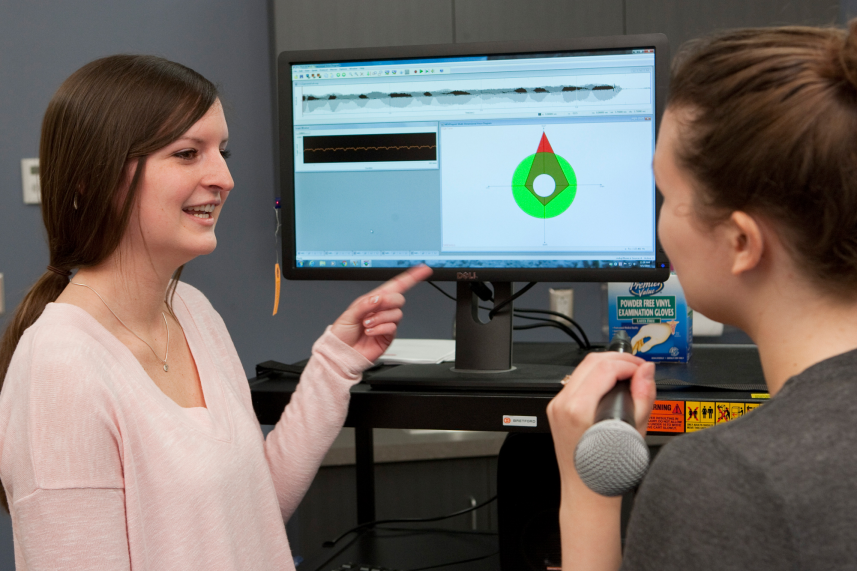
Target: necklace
[[166, 352]]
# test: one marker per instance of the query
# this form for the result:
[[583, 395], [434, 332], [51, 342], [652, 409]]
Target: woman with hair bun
[[757, 163], [127, 433]]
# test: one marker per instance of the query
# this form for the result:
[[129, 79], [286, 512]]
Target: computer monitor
[[492, 162]]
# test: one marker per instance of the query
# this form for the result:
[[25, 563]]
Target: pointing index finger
[[406, 280]]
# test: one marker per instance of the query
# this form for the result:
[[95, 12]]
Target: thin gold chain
[[166, 352]]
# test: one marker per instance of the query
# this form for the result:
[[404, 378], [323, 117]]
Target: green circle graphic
[[528, 200]]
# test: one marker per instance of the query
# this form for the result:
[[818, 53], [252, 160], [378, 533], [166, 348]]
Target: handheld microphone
[[611, 457]]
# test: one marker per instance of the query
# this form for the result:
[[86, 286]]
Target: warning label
[[699, 415], [667, 416], [675, 417], [727, 411]]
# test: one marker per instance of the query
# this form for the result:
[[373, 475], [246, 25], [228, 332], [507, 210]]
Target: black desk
[[714, 366]]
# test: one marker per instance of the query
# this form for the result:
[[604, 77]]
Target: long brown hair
[[108, 112], [773, 131]]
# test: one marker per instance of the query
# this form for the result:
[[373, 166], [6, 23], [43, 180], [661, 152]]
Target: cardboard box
[[655, 316]]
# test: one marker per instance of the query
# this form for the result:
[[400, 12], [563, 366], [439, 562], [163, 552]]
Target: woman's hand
[[589, 523], [572, 411], [369, 324]]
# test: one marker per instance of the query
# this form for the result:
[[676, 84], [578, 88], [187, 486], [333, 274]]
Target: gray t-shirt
[[774, 489]]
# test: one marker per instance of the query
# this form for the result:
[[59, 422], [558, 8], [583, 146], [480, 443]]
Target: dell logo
[[466, 275]]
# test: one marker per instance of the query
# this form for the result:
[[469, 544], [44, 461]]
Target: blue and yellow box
[[655, 316]]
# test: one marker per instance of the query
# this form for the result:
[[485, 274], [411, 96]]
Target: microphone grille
[[611, 457]]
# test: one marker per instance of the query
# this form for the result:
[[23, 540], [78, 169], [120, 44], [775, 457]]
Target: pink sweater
[[104, 471]]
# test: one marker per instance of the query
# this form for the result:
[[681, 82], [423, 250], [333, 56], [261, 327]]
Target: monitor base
[[444, 377]]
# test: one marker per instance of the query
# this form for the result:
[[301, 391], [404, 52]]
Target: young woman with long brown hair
[[127, 433], [757, 163]]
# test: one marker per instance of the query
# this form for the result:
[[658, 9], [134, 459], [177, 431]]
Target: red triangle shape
[[544, 145]]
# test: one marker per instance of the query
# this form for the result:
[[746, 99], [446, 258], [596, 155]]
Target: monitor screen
[[507, 163]]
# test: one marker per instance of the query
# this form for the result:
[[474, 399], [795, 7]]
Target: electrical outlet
[[2, 296], [562, 301], [30, 181]]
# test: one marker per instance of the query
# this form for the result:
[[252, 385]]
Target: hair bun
[[847, 54]]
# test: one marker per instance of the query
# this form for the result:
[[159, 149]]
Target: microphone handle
[[617, 404], [611, 456]]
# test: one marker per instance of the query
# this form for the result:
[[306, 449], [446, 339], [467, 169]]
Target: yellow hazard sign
[[726, 411], [667, 416], [699, 415], [748, 406]]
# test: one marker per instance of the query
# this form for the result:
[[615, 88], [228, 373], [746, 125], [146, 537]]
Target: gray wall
[[848, 10], [42, 42], [345, 23]]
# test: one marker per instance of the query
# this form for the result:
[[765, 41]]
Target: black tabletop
[[714, 372]]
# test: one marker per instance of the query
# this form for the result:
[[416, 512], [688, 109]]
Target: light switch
[[30, 179]]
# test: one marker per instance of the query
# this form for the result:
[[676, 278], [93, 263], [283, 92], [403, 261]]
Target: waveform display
[[401, 99], [370, 148]]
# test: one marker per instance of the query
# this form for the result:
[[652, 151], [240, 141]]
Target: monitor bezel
[[285, 146]]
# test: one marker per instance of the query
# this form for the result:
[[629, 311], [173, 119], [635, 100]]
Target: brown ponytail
[[46, 290], [109, 111], [773, 131]]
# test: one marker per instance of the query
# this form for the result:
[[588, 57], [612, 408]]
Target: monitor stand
[[483, 355]]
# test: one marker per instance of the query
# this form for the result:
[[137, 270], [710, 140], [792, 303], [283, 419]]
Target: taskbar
[[541, 264]]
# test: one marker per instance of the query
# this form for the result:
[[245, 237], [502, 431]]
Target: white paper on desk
[[705, 327], [418, 352]]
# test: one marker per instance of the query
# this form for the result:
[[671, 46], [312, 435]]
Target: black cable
[[437, 287], [408, 520], [515, 296], [492, 311], [453, 298], [563, 316], [480, 558], [482, 291], [551, 323], [479, 288], [547, 323], [341, 549], [584, 343]]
